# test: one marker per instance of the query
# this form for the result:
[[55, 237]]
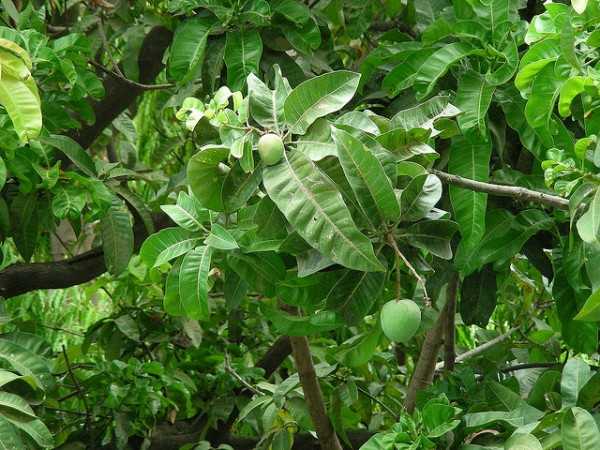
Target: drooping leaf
[[21, 100], [73, 151], [266, 105], [473, 98], [187, 50], [575, 375], [193, 282], [588, 224], [469, 158], [318, 97], [478, 297], [206, 178], [117, 237], [314, 206], [373, 189], [420, 196], [243, 51]]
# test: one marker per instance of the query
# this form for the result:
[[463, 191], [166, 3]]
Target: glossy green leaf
[[221, 239], [420, 196], [579, 430], [243, 51], [193, 282], [478, 297], [576, 373], [187, 213], [590, 311], [73, 151], [535, 59], [519, 441], [544, 93], [165, 245], [117, 237], [206, 177], [588, 224], [289, 325], [318, 97], [373, 189], [187, 50], [579, 5], [469, 158], [425, 115], [438, 64], [571, 89], [473, 98], [433, 236], [266, 105], [354, 294], [314, 206], [21, 100]]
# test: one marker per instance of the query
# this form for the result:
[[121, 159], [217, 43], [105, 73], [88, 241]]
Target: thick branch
[[120, 94], [425, 367], [313, 395], [516, 192]]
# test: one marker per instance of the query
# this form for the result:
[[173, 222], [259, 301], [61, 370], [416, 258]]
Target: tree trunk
[[313, 395]]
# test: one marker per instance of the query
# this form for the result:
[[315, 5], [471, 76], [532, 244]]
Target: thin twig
[[80, 391], [379, 402], [238, 377], [500, 190], [412, 270], [106, 45], [74, 333], [147, 87], [530, 366], [482, 348]]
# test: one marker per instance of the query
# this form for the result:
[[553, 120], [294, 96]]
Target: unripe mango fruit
[[400, 320], [270, 149]]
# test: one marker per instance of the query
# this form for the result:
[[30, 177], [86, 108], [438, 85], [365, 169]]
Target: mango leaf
[[438, 64], [262, 271], [373, 189], [579, 430], [289, 325], [425, 115], [73, 151], [544, 92], [193, 282], [172, 300], [319, 97], [27, 363], [314, 206], [508, 66], [266, 105], [304, 38], [469, 158], [420, 196], [9, 435], [575, 375], [523, 441], [187, 50], [187, 213], [165, 245], [571, 89], [535, 59], [354, 294], [590, 311], [433, 236], [403, 76], [579, 5], [243, 51], [221, 239], [21, 100], [473, 98], [478, 297], [588, 224], [317, 143], [117, 237], [206, 177]]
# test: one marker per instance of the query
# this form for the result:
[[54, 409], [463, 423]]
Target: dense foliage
[[280, 224]]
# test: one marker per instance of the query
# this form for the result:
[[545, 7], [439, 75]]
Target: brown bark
[[450, 325], [312, 394], [425, 367]]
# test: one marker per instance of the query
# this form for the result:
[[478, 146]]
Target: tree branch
[[119, 93], [449, 325], [516, 192], [312, 394]]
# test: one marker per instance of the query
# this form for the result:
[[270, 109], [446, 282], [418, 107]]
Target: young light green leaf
[[166, 245], [21, 100], [590, 311], [571, 89], [314, 206], [266, 105], [187, 213], [221, 239], [579, 5], [544, 92], [243, 51], [373, 189], [193, 283], [117, 237], [204, 166], [318, 97]]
